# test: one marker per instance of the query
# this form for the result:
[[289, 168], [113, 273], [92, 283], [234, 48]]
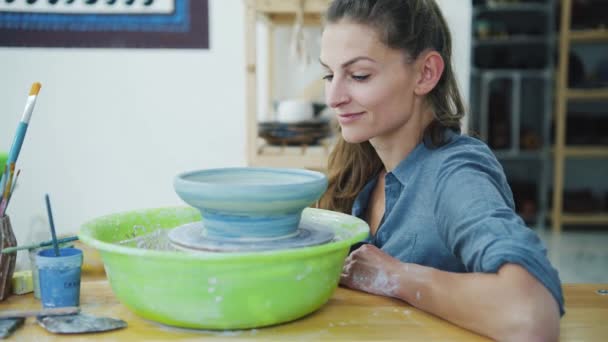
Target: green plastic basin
[[219, 290]]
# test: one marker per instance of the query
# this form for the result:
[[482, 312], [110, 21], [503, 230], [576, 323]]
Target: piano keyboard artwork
[[105, 23]]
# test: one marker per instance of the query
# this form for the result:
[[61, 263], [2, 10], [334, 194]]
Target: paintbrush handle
[[3, 181], [68, 310], [9, 182], [10, 195], [38, 245], [3, 205], [31, 102], [13, 154], [52, 224]]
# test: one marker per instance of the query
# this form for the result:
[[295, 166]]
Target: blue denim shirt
[[451, 208]]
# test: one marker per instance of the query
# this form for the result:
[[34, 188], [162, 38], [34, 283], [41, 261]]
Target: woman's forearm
[[508, 305]]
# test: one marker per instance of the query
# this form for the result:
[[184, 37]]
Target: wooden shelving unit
[[564, 95], [275, 13]]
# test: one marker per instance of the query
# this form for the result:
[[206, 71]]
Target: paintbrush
[[4, 174], [50, 213], [13, 154], [3, 189], [67, 310], [7, 191], [38, 245], [10, 194], [9, 183]]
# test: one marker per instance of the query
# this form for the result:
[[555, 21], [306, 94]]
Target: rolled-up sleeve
[[477, 220]]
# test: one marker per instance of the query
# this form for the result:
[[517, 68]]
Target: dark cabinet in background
[[512, 94]]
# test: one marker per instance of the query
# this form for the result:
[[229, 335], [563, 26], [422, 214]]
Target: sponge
[[22, 282]]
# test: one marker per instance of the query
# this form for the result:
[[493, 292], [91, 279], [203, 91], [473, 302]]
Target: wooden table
[[349, 315]]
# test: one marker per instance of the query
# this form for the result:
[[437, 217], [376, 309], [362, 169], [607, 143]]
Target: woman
[[444, 235]]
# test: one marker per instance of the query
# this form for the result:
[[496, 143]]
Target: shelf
[[275, 13], [311, 157], [585, 219], [583, 36], [310, 19], [586, 151], [289, 6], [520, 154], [567, 38], [505, 73], [283, 12], [587, 94], [518, 7], [513, 40]]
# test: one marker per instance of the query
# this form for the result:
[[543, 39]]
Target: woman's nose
[[335, 94]]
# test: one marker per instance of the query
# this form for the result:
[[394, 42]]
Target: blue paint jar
[[59, 277], [32, 253]]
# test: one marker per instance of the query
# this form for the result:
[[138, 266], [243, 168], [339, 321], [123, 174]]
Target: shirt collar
[[405, 168], [402, 173]]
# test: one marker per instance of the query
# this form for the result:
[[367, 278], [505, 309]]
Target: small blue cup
[[59, 277]]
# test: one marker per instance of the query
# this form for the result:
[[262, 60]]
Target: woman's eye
[[328, 77], [360, 77]]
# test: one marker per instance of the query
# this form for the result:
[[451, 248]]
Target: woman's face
[[369, 85]]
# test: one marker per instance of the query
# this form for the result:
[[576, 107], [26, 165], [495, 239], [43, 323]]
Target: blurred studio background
[[134, 94]]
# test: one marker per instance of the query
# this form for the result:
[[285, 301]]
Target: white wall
[[113, 126], [458, 14]]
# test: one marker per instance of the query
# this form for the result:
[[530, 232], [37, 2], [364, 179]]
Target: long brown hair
[[411, 26]]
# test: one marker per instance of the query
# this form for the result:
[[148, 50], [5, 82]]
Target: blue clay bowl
[[250, 203]]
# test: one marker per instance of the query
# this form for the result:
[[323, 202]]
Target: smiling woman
[[371, 91], [444, 233]]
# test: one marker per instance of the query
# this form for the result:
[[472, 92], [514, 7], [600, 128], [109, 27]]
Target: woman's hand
[[371, 270]]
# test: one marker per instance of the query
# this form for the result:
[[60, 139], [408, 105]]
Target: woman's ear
[[430, 66]]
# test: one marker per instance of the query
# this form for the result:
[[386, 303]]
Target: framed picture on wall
[[105, 23]]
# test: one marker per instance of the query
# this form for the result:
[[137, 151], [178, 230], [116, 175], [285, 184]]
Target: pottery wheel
[[192, 236]]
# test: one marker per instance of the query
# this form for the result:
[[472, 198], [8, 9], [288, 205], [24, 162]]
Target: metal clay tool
[[79, 324], [9, 325]]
